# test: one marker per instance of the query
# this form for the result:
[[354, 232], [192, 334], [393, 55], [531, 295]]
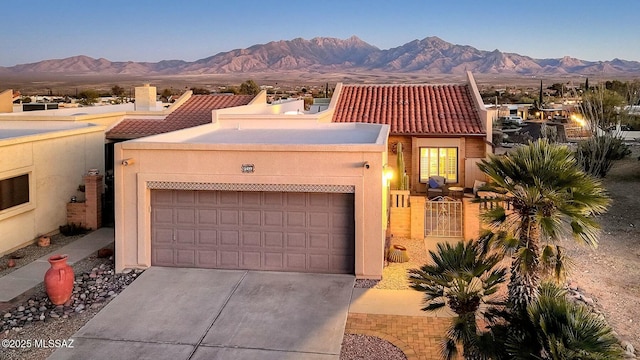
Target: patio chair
[[437, 186]]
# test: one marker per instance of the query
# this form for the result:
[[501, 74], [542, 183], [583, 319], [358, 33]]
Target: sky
[[154, 30]]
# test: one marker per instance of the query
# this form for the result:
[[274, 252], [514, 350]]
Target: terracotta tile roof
[[195, 111], [411, 109]]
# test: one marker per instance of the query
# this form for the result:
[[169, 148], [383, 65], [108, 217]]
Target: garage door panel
[[296, 200], [185, 216], [319, 241], [207, 238], [273, 239], [319, 200], [340, 243], [185, 236], [207, 259], [251, 199], [273, 199], [306, 232], [208, 216], [296, 240], [186, 198], [163, 216], [251, 238], [251, 217], [273, 218], [163, 256], [229, 258], [229, 198], [296, 219], [186, 257], [319, 262], [341, 221], [207, 198], [229, 217], [318, 220], [296, 262], [229, 238], [162, 236], [342, 263], [160, 197], [274, 260], [251, 259]]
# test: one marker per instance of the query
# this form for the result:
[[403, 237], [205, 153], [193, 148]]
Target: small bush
[[72, 229], [597, 154]]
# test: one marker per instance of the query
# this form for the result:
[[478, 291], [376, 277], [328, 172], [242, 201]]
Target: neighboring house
[[41, 167], [264, 187], [445, 129], [44, 154]]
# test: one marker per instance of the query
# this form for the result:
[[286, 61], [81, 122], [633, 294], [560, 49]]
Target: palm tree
[[558, 328], [461, 277], [554, 327], [549, 197]]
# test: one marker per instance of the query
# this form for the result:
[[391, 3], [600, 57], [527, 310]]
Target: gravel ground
[[394, 275], [355, 346], [95, 285]]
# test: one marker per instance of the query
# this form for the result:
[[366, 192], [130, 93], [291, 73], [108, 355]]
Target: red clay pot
[[58, 280]]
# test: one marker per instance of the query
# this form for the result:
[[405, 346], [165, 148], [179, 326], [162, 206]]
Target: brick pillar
[[93, 193]]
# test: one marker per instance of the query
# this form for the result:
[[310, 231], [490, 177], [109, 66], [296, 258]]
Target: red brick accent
[[88, 213], [77, 213], [93, 192]]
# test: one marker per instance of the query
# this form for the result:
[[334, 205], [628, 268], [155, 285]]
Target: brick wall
[[400, 224], [88, 213], [77, 213]]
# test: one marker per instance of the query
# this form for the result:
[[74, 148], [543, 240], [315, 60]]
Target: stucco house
[[262, 187], [444, 129], [41, 167], [45, 154]]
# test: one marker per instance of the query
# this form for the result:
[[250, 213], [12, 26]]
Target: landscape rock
[[104, 285]]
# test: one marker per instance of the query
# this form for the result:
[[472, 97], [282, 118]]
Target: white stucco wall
[[56, 162]]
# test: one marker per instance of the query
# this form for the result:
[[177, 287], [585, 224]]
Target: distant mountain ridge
[[431, 55]]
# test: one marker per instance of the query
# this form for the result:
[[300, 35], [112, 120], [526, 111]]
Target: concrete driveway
[[177, 313]]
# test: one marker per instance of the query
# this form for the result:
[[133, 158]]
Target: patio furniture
[[456, 192], [437, 186]]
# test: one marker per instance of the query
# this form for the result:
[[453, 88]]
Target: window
[[14, 191], [439, 161]]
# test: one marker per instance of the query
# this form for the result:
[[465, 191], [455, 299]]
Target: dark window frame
[[15, 191]]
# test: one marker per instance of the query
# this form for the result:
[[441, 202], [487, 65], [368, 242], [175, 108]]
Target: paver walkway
[[395, 316]]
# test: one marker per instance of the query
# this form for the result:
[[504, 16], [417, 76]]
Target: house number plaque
[[247, 168]]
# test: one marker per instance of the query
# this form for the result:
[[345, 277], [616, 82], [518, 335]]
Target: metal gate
[[443, 217]]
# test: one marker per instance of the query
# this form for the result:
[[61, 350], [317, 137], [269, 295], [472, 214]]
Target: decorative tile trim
[[317, 188]]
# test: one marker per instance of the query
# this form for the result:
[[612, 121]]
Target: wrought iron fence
[[443, 217]]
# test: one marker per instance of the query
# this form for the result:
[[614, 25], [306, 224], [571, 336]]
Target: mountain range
[[431, 55]]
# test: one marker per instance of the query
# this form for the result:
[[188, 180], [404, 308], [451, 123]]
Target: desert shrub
[[72, 229], [597, 154]]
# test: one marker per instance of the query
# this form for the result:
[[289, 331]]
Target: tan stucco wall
[[56, 163], [6, 101], [210, 163]]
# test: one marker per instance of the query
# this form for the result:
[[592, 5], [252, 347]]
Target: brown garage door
[[302, 232]]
